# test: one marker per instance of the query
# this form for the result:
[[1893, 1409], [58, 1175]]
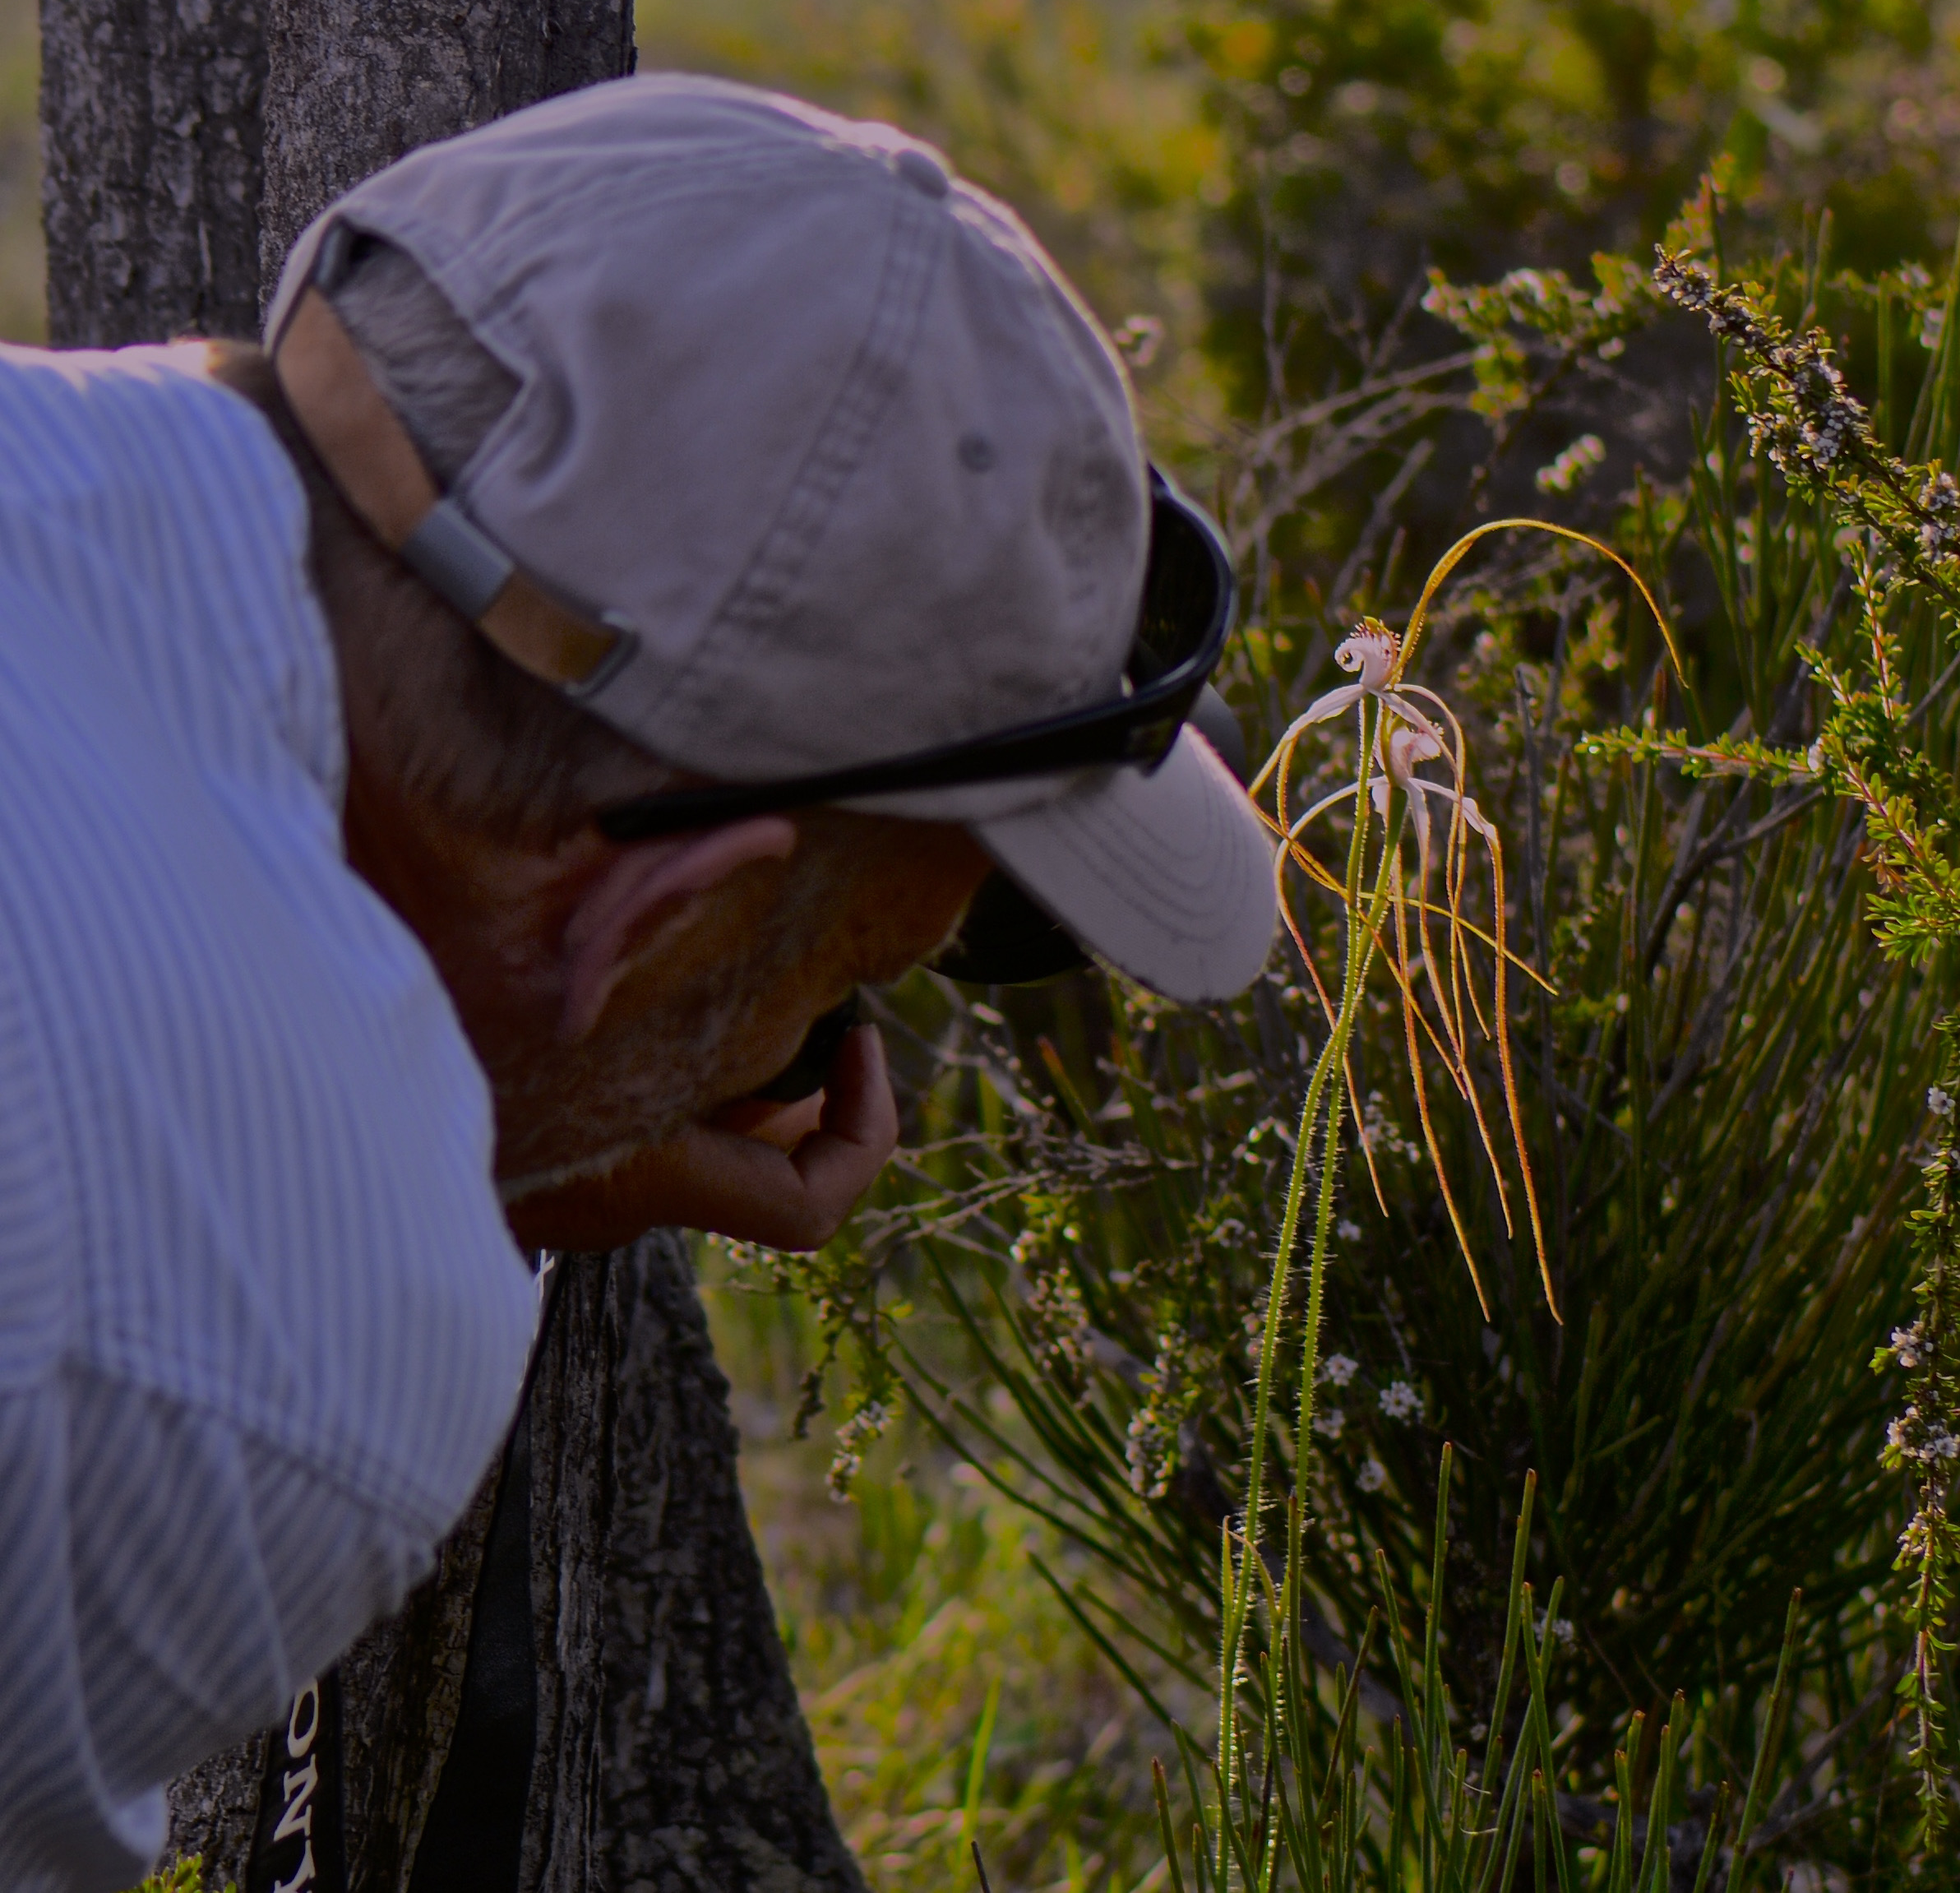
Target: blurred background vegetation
[[23, 304], [1348, 248]]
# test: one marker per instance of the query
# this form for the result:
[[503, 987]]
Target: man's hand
[[787, 1177]]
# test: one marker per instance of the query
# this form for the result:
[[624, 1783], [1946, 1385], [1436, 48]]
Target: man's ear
[[644, 883]]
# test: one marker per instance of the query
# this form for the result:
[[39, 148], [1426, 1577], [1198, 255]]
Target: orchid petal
[[1323, 708], [1410, 715]]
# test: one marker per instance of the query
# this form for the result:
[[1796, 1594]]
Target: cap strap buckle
[[369, 457]]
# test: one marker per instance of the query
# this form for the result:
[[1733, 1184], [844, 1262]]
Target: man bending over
[[676, 547]]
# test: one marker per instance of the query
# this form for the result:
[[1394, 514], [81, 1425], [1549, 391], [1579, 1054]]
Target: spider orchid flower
[[1373, 651], [1411, 727], [1413, 735]]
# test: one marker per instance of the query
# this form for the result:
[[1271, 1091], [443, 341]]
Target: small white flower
[[1332, 1423], [1399, 1400], [1906, 1345], [1346, 1231], [1557, 1630], [1939, 1103], [1338, 1369], [1572, 466], [1373, 1476], [1942, 1445]]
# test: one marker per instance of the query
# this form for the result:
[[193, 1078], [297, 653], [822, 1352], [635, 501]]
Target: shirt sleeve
[[262, 1322], [168, 1582]]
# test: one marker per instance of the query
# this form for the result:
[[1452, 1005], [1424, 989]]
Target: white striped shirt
[[260, 1323]]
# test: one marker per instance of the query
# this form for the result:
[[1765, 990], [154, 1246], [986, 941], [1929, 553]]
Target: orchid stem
[[1362, 932]]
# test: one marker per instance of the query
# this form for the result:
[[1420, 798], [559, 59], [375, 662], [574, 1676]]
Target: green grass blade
[[1759, 1777], [1621, 1877], [1712, 1846], [1534, 1658], [1161, 1789], [1146, 1694], [1515, 1614], [1653, 1862], [976, 1774]]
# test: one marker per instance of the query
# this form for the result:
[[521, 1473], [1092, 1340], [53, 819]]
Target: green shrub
[[185, 1877], [1723, 1100], [1368, 140]]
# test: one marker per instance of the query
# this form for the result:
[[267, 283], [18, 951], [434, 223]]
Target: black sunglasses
[[1189, 592]]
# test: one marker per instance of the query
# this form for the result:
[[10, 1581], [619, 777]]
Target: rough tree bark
[[351, 85], [670, 1756], [679, 1760], [150, 168]]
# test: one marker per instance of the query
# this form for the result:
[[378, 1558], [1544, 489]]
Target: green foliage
[[1483, 129], [1886, 750], [1312, 1808], [1720, 1082], [1703, 1424], [1922, 1444], [1545, 304], [1720, 1103], [1899, 529], [1507, 143], [184, 1877]]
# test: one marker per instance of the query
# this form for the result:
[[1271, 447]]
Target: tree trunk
[[352, 85], [671, 1753], [150, 175], [660, 1733]]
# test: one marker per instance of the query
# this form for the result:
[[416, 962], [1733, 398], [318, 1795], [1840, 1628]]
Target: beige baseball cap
[[816, 461]]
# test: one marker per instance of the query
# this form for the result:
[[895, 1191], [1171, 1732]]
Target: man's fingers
[[742, 1188], [749, 1190], [858, 1106], [841, 1159], [756, 1193]]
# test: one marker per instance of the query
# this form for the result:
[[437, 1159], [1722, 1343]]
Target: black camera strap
[[473, 1837], [473, 1841], [299, 1845]]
